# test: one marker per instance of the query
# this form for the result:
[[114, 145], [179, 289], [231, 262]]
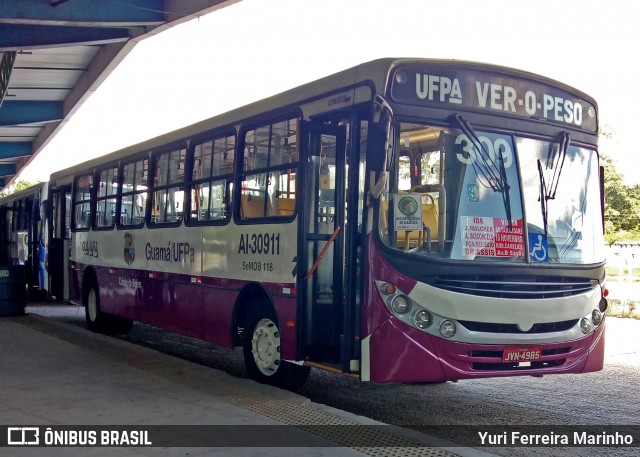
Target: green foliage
[[18, 185], [621, 202], [613, 236]]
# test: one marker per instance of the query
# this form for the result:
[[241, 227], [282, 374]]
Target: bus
[[23, 236], [405, 220]]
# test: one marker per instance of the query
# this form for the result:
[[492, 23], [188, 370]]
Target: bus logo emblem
[[408, 206]]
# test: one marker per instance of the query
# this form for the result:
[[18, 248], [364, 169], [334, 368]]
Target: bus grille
[[512, 287], [547, 327]]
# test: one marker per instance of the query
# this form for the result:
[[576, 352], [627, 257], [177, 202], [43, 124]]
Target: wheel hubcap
[[265, 346]]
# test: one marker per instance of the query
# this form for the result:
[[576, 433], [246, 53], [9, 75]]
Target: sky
[[256, 48]]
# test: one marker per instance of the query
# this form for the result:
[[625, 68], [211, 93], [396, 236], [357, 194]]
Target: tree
[[18, 185], [621, 202]]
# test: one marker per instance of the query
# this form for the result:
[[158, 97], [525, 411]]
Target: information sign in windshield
[[491, 237], [497, 93]]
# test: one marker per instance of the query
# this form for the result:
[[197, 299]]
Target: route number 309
[[469, 153]]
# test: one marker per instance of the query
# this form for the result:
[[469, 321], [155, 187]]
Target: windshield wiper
[[543, 196], [494, 174], [565, 141], [556, 163], [485, 166]]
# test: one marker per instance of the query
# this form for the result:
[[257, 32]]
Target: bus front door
[[322, 226]]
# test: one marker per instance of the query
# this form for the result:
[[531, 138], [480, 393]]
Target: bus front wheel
[[261, 350]]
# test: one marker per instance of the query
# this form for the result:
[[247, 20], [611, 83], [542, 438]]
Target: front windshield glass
[[457, 194], [567, 228]]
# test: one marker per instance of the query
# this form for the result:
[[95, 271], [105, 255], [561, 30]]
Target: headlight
[[585, 326], [413, 313], [596, 317], [603, 305], [400, 304], [447, 328], [422, 319]]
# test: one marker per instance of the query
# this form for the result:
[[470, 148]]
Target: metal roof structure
[[55, 53]]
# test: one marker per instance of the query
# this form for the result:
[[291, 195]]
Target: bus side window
[[253, 206], [168, 186], [106, 198], [133, 199], [211, 179], [270, 166], [285, 206], [83, 190]]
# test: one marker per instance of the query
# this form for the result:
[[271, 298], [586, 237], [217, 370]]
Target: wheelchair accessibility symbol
[[538, 249]]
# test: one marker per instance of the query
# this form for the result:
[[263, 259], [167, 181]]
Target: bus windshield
[[473, 195]]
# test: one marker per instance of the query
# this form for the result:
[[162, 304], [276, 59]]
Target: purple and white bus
[[404, 220]]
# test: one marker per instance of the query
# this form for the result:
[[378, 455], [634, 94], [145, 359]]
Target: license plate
[[526, 354]]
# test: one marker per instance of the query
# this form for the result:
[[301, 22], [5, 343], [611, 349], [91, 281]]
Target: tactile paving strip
[[304, 416]]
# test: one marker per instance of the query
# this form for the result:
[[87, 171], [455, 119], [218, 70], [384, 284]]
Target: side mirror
[[376, 146]]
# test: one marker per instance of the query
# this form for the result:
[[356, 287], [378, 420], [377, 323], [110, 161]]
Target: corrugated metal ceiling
[[54, 53]]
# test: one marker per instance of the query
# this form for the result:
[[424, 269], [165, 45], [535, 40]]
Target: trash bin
[[13, 292]]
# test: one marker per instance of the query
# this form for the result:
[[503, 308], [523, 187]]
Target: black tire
[[100, 322], [261, 349], [119, 325], [37, 295]]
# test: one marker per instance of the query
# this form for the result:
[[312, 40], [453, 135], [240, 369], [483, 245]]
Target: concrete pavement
[[55, 374]]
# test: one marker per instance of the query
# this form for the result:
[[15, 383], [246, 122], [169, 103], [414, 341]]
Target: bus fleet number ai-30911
[[259, 244]]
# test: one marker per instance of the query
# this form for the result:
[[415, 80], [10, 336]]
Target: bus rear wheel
[[94, 317], [99, 322], [261, 349]]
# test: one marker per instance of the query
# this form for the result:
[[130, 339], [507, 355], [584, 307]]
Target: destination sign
[[497, 93]]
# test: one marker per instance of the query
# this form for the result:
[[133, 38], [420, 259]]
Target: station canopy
[[55, 53]]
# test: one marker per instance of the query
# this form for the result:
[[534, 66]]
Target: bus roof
[[373, 73]]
